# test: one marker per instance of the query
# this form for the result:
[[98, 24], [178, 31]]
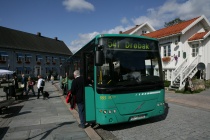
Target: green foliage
[[173, 22], [167, 83], [207, 84]]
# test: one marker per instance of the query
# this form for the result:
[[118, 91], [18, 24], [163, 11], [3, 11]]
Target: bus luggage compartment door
[[90, 115]]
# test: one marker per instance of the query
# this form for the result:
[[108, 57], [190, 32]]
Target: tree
[[173, 22]]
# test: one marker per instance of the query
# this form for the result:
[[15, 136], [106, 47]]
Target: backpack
[[43, 83]]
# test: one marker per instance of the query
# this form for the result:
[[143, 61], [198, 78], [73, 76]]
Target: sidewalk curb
[[89, 130]]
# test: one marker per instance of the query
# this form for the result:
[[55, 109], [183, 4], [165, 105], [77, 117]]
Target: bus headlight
[[105, 111]]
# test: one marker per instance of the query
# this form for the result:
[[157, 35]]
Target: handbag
[[68, 97], [22, 85]]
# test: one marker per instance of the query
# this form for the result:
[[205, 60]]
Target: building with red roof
[[184, 48]]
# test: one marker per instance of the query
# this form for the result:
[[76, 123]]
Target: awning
[[3, 54], [28, 55], [62, 58], [19, 68], [39, 56], [48, 57], [20, 55], [28, 68]]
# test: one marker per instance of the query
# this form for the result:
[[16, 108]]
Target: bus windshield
[[127, 66]]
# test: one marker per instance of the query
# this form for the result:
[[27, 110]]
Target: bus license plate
[[137, 117]]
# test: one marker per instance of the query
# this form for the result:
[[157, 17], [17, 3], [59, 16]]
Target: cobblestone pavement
[[37, 119], [187, 118]]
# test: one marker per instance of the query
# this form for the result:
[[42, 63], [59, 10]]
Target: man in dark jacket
[[77, 89]]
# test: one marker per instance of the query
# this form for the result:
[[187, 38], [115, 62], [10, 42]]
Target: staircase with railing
[[186, 69]]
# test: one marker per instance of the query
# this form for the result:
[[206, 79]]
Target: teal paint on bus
[[90, 104], [120, 108], [111, 101]]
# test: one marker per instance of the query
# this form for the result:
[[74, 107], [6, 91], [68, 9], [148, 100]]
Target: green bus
[[127, 74]]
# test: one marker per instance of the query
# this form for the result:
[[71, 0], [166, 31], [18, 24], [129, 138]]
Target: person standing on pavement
[[52, 79], [39, 86], [65, 84], [188, 85], [31, 86], [24, 82], [77, 89], [16, 82]]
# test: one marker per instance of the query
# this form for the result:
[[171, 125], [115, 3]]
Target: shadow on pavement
[[46, 133], [3, 131], [12, 111]]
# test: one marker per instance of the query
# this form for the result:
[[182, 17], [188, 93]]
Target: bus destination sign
[[128, 44]]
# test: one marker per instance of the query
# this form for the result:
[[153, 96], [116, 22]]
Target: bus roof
[[111, 35], [124, 35]]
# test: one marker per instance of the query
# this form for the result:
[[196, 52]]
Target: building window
[[38, 58], [62, 60], [28, 58], [195, 50], [167, 50], [54, 60], [3, 57], [19, 58], [144, 32]]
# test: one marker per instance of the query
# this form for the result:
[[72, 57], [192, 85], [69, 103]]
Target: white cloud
[[155, 16], [78, 5], [172, 9], [85, 38], [124, 20]]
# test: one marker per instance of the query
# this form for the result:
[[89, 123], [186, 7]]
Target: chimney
[[38, 34], [56, 38], [120, 32]]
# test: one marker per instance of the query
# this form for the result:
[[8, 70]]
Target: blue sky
[[77, 21]]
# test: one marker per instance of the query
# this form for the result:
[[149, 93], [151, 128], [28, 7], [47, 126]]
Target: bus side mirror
[[99, 56]]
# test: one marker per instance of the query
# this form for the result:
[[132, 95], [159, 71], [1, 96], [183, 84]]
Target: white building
[[184, 48]]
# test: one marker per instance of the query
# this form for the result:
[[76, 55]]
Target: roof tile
[[197, 36], [131, 30], [174, 29]]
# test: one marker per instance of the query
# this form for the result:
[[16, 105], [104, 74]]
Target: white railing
[[184, 70], [178, 70], [189, 69]]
